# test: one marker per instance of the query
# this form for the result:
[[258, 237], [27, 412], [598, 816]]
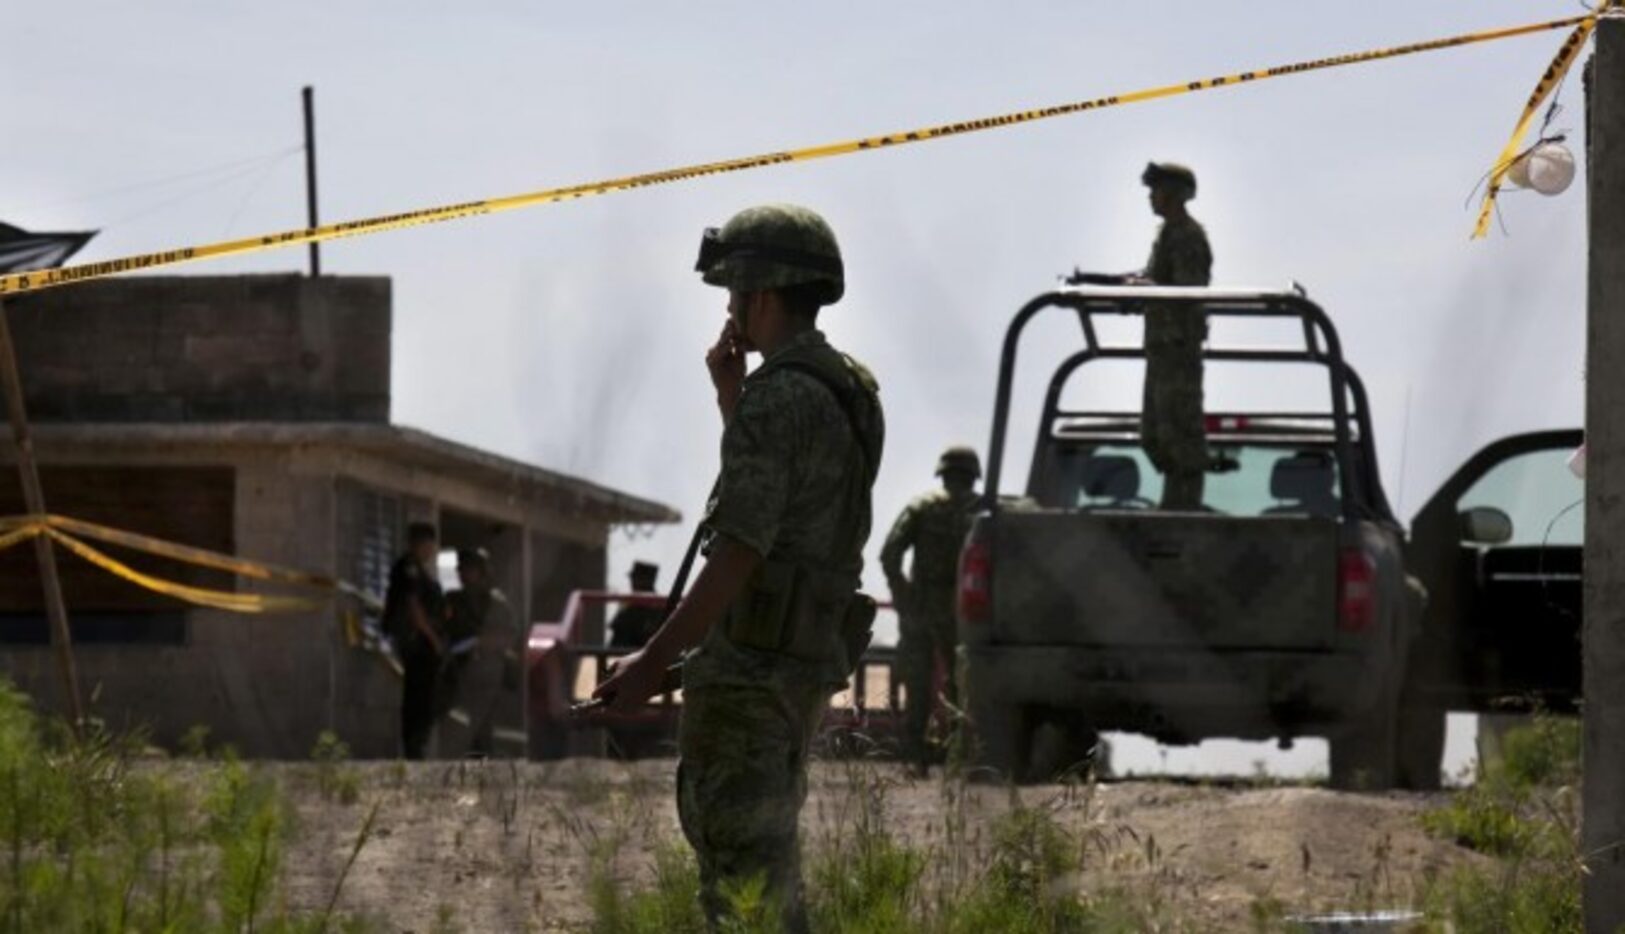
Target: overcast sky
[[572, 335]]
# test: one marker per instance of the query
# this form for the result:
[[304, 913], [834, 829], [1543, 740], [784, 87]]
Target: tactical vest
[[940, 528], [805, 611]]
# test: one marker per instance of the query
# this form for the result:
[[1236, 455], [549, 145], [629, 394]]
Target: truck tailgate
[[1146, 579]]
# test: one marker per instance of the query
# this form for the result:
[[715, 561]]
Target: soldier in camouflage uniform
[[1171, 415], [934, 528], [787, 524]]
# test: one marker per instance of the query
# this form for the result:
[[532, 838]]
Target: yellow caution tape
[[58, 528], [258, 570], [1548, 83], [18, 535], [35, 281], [218, 599]]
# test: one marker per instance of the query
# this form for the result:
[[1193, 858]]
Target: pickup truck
[[562, 667], [1498, 548], [1281, 608]]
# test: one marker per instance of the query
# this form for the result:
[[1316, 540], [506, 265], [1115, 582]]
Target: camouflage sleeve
[[753, 488], [898, 542]]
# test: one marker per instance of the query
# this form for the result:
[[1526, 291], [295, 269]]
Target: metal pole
[[309, 96], [1602, 831], [34, 500]]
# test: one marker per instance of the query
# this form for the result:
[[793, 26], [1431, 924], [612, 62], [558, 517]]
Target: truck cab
[[1280, 608]]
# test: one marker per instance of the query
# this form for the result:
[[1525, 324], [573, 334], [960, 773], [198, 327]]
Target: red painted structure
[[561, 670]]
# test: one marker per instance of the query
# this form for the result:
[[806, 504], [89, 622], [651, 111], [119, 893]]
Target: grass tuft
[[91, 842], [1523, 811]]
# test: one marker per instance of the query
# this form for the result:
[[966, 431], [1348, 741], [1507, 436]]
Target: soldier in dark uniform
[[800, 448], [933, 527], [479, 680], [634, 624], [413, 616], [1171, 414]]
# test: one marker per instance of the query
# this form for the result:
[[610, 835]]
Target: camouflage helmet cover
[[1170, 173], [960, 458], [772, 246]]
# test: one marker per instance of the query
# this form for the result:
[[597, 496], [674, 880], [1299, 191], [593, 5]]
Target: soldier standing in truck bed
[[1171, 415]]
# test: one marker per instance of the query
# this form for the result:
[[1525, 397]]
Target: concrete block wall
[[207, 348]]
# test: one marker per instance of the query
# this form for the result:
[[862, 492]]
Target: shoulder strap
[[846, 385]]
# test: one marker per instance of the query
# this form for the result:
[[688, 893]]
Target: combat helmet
[[1170, 173], [961, 458], [772, 246]]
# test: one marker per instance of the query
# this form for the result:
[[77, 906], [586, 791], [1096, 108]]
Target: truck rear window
[[1244, 479]]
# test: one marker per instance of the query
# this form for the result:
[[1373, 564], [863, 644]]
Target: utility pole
[[56, 609], [1602, 833], [309, 96]]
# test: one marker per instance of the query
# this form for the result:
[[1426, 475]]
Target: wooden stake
[[34, 500]]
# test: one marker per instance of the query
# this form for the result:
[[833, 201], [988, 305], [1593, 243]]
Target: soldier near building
[[933, 527], [1171, 413], [633, 624], [479, 681], [787, 524], [413, 616]]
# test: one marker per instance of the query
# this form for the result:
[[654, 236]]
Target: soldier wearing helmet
[[1171, 413], [801, 444], [933, 527]]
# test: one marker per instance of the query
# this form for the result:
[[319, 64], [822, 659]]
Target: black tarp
[[21, 251]]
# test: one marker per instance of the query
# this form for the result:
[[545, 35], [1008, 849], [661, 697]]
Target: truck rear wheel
[[1063, 745], [1421, 749], [1364, 753], [1421, 738]]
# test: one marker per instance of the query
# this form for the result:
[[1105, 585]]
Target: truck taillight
[[1356, 591], [975, 582]]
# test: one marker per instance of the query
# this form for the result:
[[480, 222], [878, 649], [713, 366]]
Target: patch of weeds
[[671, 904], [1266, 914], [445, 921], [872, 888], [1523, 811], [335, 779], [1544, 754], [88, 843], [1030, 884], [194, 743]]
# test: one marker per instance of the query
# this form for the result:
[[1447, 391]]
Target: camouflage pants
[[1171, 426], [928, 638], [741, 781]]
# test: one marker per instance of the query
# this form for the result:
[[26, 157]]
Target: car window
[[1245, 481], [1539, 493]]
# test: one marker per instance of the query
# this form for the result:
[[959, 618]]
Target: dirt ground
[[505, 846]]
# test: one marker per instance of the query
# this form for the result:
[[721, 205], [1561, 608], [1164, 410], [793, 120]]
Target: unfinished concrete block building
[[250, 415]]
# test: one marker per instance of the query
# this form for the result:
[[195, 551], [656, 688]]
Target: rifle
[[673, 678], [1079, 277]]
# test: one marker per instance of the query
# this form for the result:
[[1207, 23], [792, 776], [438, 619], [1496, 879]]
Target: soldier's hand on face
[[726, 361], [636, 678]]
